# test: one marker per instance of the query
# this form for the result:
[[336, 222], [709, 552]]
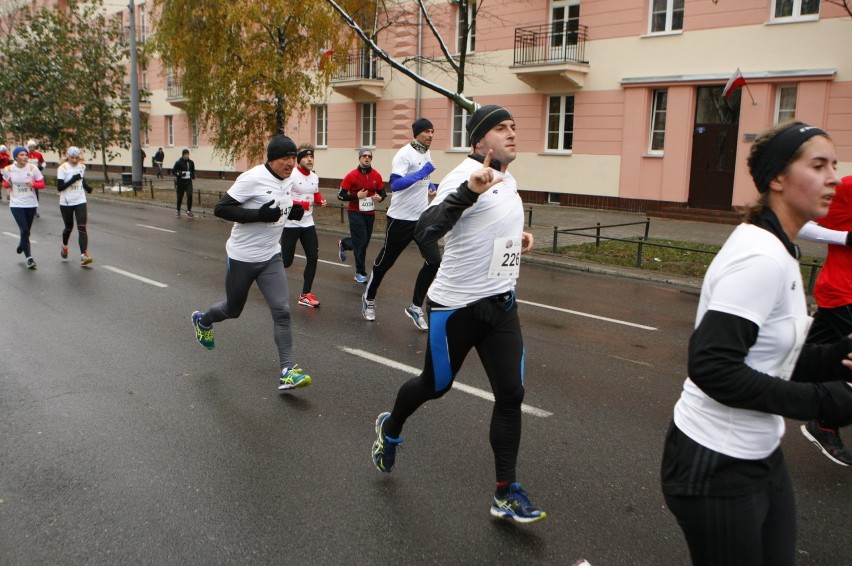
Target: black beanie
[[280, 146], [484, 119], [421, 125]]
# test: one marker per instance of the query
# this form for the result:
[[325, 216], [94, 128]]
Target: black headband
[[304, 153], [776, 154]]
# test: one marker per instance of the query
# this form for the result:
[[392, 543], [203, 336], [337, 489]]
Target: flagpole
[[753, 101]]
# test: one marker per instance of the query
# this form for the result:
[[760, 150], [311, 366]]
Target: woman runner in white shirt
[[23, 180]]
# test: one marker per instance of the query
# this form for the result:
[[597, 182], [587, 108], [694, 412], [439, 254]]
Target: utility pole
[[135, 122]]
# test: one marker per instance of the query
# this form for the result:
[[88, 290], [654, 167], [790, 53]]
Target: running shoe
[[177, 213], [384, 448], [204, 334], [516, 505], [828, 441], [368, 308], [86, 259], [63, 252], [31, 264], [360, 278], [308, 300], [292, 378], [19, 250], [341, 253], [416, 314], [190, 214]]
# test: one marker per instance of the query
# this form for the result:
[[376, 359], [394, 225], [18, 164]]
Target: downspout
[[417, 94]]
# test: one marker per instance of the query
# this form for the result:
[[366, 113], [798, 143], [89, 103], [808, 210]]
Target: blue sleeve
[[398, 183]]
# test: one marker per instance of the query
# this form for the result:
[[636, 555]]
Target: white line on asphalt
[[155, 228], [11, 235], [631, 361], [134, 276], [536, 412], [578, 313]]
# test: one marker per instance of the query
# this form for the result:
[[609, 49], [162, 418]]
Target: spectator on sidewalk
[[184, 172], [362, 188], [157, 160]]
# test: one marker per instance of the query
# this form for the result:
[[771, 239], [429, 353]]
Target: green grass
[[679, 262]]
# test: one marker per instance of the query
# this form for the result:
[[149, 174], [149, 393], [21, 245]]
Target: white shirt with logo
[[74, 194], [753, 277], [409, 204], [303, 190], [21, 195], [478, 257], [256, 242]]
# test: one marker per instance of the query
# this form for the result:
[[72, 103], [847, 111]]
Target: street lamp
[[135, 122]]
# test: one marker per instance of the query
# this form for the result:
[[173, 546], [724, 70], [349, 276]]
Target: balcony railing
[[174, 90], [550, 43], [360, 64]]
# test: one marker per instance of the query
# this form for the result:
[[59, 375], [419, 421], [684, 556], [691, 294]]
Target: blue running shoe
[[516, 505], [341, 253], [293, 378], [415, 313], [384, 448], [360, 278]]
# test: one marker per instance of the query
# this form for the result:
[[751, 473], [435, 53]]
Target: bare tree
[[845, 4]]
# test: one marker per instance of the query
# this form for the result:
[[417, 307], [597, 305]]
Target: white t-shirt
[[21, 195], [753, 277], [483, 229], [409, 203], [74, 194], [304, 188], [256, 242]]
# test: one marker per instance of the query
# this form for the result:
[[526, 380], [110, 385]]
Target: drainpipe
[[418, 66]]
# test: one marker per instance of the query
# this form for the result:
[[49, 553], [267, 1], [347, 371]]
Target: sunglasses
[[367, 156]]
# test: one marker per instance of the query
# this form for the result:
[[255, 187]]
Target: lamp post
[[135, 122]]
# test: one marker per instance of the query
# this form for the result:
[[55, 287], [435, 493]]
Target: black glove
[[87, 186], [73, 179], [849, 238], [268, 214], [296, 212]]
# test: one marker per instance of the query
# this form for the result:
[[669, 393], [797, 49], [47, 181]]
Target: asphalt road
[[122, 441]]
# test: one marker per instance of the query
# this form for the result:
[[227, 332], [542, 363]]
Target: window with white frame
[[146, 136], [658, 120], [193, 125], [368, 125], [795, 9], [471, 22], [170, 130], [321, 138], [460, 116], [560, 123], [666, 15], [785, 102]]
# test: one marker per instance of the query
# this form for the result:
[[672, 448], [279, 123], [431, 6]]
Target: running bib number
[[366, 204], [505, 259], [285, 211], [76, 187], [186, 175], [21, 188]]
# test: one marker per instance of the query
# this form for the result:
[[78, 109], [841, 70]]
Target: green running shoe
[[292, 378], [204, 334]]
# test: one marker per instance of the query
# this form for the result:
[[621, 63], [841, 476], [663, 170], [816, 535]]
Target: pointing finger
[[487, 161]]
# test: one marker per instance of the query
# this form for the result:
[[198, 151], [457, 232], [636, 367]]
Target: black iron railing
[[174, 90], [550, 43], [360, 64]]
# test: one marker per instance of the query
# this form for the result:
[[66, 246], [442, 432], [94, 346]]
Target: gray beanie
[[280, 146]]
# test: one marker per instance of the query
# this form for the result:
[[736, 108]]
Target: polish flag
[[736, 81], [325, 55]]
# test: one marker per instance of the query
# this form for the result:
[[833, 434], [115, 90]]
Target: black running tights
[[69, 213]]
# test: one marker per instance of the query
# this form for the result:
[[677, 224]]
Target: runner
[[410, 190], [72, 186], [479, 213], [362, 188], [306, 193], [23, 179], [258, 203]]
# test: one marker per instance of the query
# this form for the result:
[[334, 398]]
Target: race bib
[[366, 205], [21, 188], [801, 325], [76, 187], [505, 259], [280, 203], [186, 175]]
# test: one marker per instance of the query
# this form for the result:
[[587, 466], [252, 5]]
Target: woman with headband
[[23, 180], [72, 186], [723, 473]]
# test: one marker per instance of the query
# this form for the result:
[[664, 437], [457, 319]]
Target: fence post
[[555, 232], [598, 235], [812, 279], [647, 226], [639, 253], [529, 217], [152, 191]]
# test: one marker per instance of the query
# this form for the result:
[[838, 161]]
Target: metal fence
[[550, 43]]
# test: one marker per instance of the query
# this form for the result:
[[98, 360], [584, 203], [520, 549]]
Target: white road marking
[[134, 276], [536, 412], [155, 228], [631, 361], [587, 315], [18, 236]]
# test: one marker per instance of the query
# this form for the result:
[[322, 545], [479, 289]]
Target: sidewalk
[[544, 219]]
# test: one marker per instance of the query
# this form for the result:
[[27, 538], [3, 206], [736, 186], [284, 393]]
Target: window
[[321, 139], [564, 23], [658, 121], [146, 136], [141, 24], [666, 15], [795, 9], [560, 123], [460, 127], [170, 130], [785, 102], [471, 23], [193, 126], [368, 125]]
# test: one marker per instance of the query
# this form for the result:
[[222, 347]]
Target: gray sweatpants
[[272, 282]]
